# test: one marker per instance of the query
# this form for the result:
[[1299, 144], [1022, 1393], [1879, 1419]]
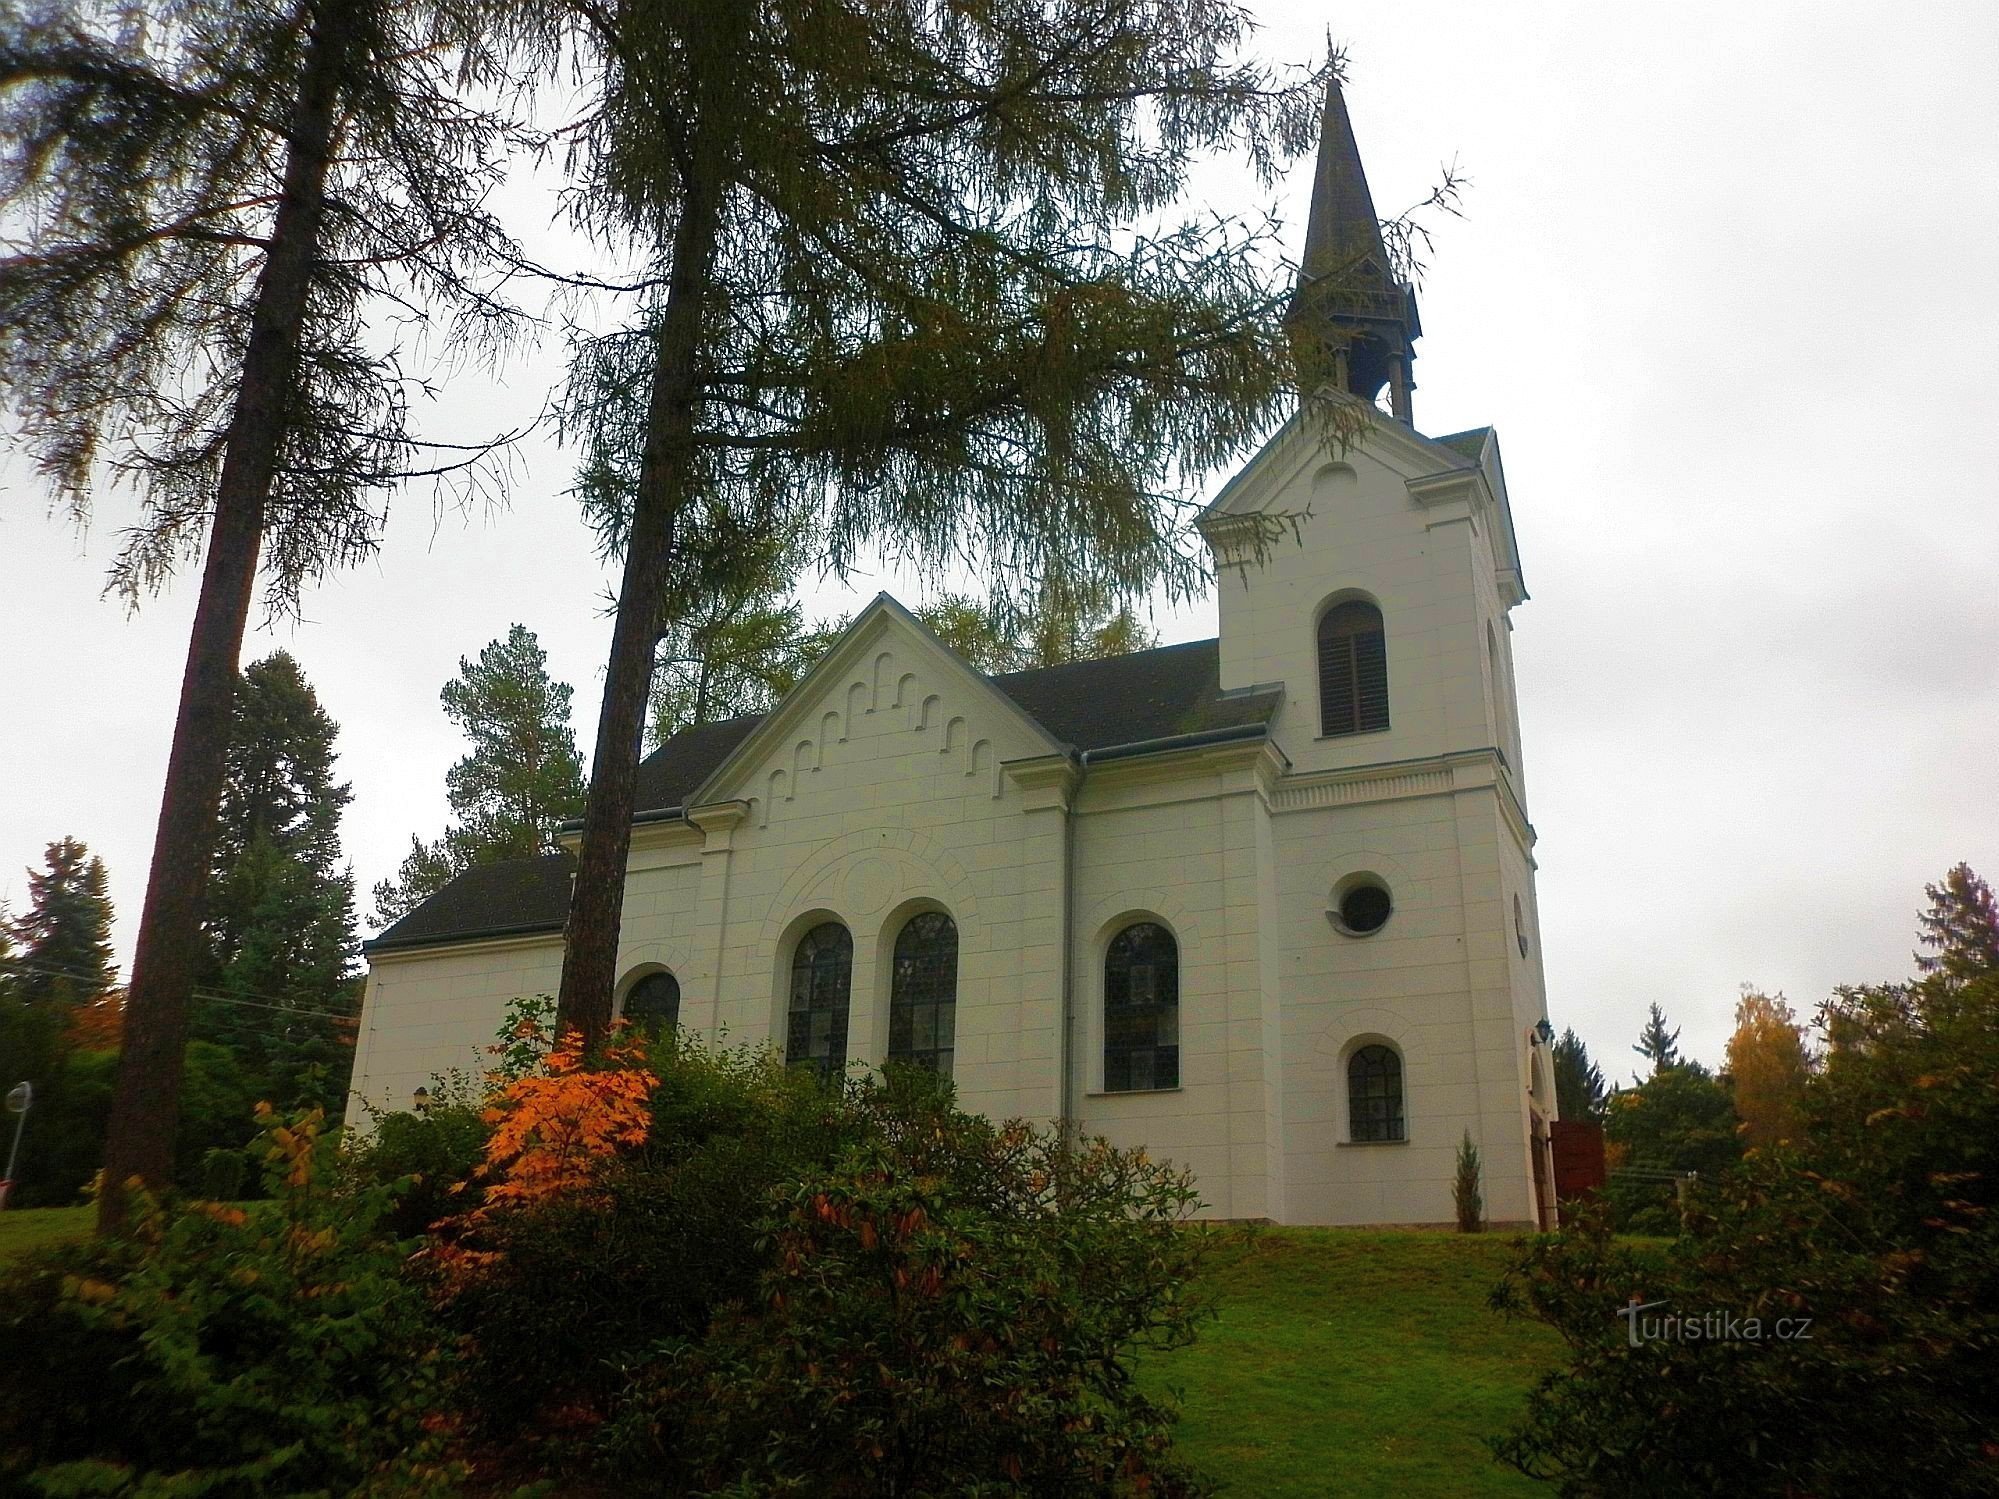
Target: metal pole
[[19, 1101]]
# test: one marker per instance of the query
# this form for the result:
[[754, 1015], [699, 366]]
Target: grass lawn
[[1356, 1361], [28, 1228]]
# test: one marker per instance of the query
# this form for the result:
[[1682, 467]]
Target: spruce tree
[[1960, 928], [1579, 1084], [519, 781], [202, 204], [910, 277], [1656, 1043], [63, 941], [277, 970]]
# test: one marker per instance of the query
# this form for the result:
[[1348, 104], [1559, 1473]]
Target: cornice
[[1401, 780]]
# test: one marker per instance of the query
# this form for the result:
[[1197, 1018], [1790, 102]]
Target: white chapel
[[1263, 904]]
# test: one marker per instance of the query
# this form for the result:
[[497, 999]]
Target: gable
[[887, 689], [1460, 468]]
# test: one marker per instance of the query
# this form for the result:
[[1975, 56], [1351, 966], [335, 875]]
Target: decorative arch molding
[[641, 958], [1334, 478], [1352, 863], [939, 876], [1353, 1029], [1346, 593], [1108, 917]]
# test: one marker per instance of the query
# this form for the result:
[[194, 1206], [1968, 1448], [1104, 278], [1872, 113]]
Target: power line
[[267, 1002]]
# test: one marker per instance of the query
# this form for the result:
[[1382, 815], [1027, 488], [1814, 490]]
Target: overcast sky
[[1728, 286]]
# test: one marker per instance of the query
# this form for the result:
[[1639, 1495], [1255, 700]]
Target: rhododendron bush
[[647, 1264]]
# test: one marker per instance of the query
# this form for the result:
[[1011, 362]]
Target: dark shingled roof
[[1159, 694], [670, 774], [1470, 442], [511, 898], [1092, 706]]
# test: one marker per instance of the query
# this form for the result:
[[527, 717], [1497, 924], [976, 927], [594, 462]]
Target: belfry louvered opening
[[1353, 670]]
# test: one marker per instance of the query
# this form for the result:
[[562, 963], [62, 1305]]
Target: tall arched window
[[653, 1003], [1142, 1010], [923, 993], [1353, 670], [822, 981], [1374, 1094]]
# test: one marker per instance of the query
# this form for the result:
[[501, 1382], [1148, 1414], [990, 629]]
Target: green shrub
[[428, 1159], [1838, 1301], [218, 1351], [951, 1306], [1467, 1194]]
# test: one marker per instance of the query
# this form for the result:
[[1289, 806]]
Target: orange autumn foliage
[[553, 1130], [99, 1025]]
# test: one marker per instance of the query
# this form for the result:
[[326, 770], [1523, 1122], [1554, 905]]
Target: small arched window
[[923, 993], [1142, 1010], [1353, 670], [1374, 1095], [653, 1003], [822, 982]]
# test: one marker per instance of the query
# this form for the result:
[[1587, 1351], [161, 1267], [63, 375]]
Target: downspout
[[1069, 1047]]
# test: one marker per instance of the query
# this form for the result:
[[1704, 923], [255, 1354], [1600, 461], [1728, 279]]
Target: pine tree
[[895, 292], [1657, 1044], [1579, 1084], [277, 971], [64, 939], [202, 205], [1961, 927], [519, 781]]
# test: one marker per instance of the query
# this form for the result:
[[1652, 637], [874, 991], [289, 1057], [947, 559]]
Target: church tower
[[1401, 844], [1353, 320]]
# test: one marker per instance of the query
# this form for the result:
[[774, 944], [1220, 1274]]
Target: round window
[[1365, 908]]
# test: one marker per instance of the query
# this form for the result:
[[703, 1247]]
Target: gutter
[[1196, 740], [446, 939], [652, 814]]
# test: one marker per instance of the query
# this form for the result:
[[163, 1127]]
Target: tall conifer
[[521, 778], [63, 940], [202, 201], [278, 919]]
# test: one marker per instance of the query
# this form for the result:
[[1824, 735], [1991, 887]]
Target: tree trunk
[[596, 903], [145, 1104]]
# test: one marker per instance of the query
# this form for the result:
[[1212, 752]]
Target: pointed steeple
[[1343, 227], [1353, 323]]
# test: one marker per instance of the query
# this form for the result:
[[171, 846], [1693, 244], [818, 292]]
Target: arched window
[[923, 993], [653, 1003], [1353, 670], [822, 981], [1374, 1094], [1142, 1010]]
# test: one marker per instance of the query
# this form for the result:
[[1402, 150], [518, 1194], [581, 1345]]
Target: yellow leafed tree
[[1768, 1062]]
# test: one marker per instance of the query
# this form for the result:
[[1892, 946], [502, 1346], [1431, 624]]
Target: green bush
[[580, 1289], [1838, 1301], [428, 1159], [950, 1307], [223, 1352]]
